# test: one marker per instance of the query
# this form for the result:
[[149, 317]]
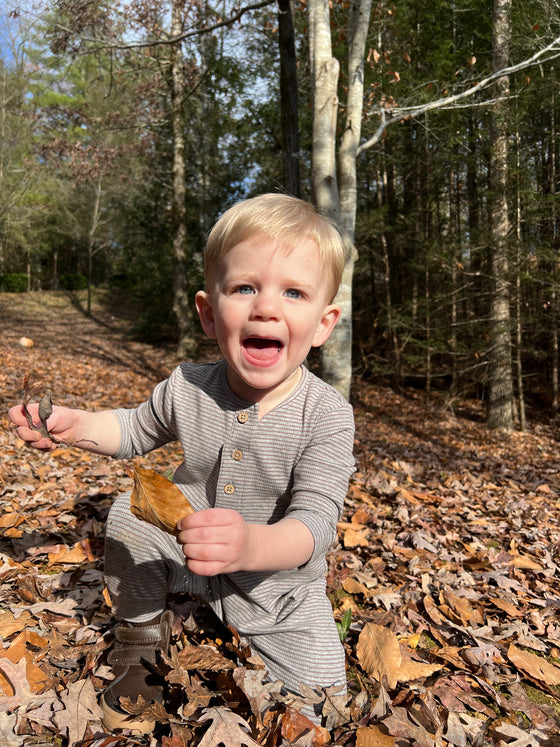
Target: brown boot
[[134, 645]]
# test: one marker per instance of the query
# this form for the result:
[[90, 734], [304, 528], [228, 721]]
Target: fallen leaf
[[226, 728], [535, 666], [80, 708], [372, 736]]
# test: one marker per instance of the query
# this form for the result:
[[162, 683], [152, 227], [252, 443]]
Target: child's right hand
[[61, 425]]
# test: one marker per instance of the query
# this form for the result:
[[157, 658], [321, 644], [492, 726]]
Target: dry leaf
[[203, 657], [535, 666], [372, 736], [80, 707], [226, 728], [410, 669], [296, 726], [379, 653], [158, 501]]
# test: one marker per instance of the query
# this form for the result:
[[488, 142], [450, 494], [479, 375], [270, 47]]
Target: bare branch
[[391, 115], [106, 44]]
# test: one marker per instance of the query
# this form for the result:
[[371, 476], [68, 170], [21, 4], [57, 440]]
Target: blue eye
[[293, 293], [245, 289]]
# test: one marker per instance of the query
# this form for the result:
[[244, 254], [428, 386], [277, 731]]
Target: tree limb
[[390, 115]]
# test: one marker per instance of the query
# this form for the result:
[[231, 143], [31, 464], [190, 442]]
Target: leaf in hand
[[158, 501]]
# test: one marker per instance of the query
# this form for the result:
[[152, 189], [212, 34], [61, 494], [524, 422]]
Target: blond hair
[[283, 218]]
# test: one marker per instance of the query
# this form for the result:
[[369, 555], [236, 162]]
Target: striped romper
[[296, 461]]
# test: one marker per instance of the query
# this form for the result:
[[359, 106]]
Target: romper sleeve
[[151, 424], [322, 473]]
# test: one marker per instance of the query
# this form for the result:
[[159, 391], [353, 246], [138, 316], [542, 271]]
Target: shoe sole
[[113, 719]]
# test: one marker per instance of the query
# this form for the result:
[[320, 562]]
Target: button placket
[[232, 468]]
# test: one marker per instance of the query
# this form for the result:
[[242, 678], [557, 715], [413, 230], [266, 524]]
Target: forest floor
[[444, 580]]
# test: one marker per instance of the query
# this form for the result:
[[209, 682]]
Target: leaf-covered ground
[[444, 580]]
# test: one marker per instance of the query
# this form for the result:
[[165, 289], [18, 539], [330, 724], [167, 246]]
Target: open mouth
[[262, 349]]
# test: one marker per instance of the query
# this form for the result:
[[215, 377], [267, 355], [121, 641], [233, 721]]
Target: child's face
[[267, 306]]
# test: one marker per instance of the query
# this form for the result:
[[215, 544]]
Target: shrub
[[13, 282], [72, 282]]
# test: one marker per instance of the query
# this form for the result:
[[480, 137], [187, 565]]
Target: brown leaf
[[10, 625], [226, 728], [410, 669], [535, 666], [158, 501], [22, 695], [468, 614], [203, 657], [80, 707], [296, 726], [372, 736], [379, 653]]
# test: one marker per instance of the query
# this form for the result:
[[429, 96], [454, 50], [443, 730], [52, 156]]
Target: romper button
[[229, 488], [237, 455], [243, 417]]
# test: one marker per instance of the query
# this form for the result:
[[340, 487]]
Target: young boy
[[267, 458]]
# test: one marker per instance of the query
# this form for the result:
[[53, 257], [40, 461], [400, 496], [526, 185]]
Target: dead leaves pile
[[444, 581]]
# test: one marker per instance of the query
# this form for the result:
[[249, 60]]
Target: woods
[[426, 130]]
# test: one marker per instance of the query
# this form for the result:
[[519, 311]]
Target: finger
[[17, 415], [205, 535], [202, 568], [212, 517]]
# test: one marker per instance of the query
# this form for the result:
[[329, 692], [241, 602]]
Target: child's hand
[[215, 540], [61, 424]]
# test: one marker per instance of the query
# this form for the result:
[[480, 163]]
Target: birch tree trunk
[[324, 76], [500, 379], [336, 354]]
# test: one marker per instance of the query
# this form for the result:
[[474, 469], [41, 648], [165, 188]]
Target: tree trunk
[[336, 354], [553, 233], [518, 291], [186, 346], [324, 76], [500, 379], [91, 237], [288, 99]]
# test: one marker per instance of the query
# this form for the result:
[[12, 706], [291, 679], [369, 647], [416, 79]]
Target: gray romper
[[296, 461]]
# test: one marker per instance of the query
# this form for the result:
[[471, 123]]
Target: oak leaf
[[80, 707], [226, 728], [158, 501]]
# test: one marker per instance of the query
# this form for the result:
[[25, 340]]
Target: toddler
[[267, 458]]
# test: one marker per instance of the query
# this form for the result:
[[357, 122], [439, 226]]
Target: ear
[[327, 323], [206, 313]]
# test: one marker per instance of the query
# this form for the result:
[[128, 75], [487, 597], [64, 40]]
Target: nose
[[266, 306]]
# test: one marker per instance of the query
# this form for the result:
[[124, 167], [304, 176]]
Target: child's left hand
[[215, 540]]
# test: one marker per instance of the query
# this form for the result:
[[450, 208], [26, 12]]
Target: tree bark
[[324, 76], [91, 236], [186, 346], [336, 354], [500, 375], [288, 99]]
